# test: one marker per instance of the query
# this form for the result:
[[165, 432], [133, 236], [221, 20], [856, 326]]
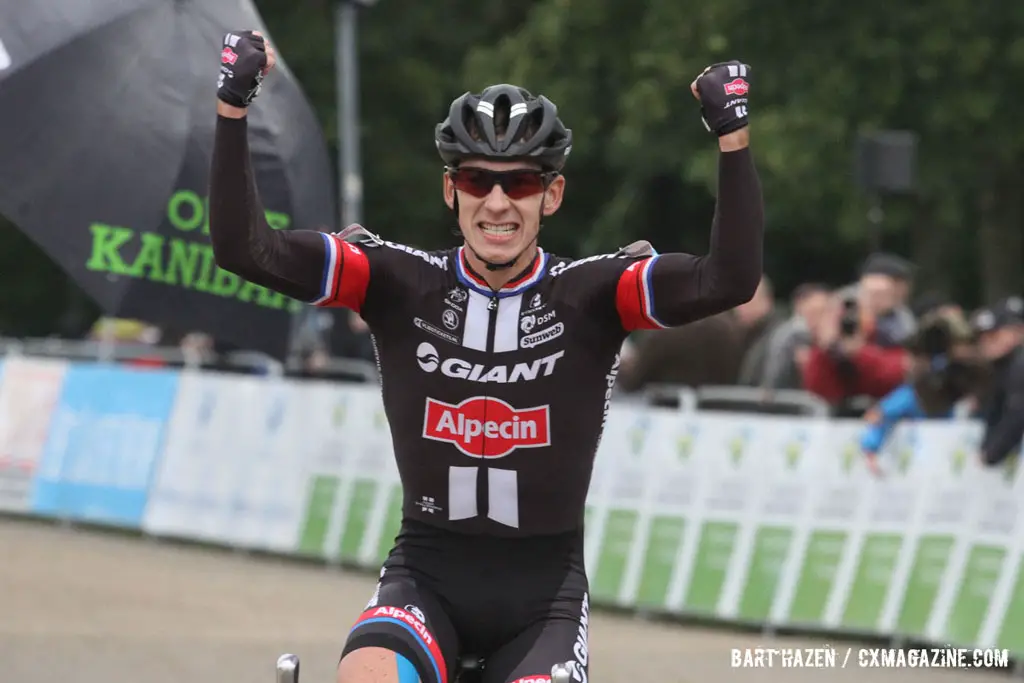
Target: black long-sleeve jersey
[[496, 399]]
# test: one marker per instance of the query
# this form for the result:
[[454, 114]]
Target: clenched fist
[[245, 59], [722, 90]]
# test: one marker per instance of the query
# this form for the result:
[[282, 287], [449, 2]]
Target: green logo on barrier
[[738, 446], [958, 461], [794, 449], [685, 441], [638, 435], [904, 457], [1010, 467], [848, 456], [180, 261], [338, 414]]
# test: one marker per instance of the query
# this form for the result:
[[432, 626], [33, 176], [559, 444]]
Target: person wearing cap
[[884, 288], [1000, 330]]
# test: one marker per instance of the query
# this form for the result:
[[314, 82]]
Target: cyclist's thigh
[[403, 636], [529, 657]]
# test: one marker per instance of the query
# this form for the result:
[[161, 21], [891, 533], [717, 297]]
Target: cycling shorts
[[519, 604]]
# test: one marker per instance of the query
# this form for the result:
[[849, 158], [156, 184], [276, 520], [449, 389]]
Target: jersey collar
[[526, 279]]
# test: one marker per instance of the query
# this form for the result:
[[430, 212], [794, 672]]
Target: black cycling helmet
[[504, 122]]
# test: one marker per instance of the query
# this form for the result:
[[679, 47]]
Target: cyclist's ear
[[449, 191], [553, 195]]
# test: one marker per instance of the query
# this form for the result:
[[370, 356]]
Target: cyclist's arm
[[674, 289], [306, 265]]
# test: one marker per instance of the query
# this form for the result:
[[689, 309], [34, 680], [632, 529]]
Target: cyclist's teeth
[[503, 229]]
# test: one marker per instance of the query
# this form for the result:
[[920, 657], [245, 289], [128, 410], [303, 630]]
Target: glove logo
[[228, 56], [737, 86]]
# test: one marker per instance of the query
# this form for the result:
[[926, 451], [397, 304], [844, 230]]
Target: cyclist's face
[[500, 205]]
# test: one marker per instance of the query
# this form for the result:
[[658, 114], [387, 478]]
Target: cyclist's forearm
[[243, 242], [733, 266]]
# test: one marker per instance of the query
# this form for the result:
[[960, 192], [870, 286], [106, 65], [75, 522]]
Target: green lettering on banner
[[183, 263], [149, 262], [205, 281], [277, 220], [106, 243], [182, 218], [178, 262], [225, 283], [926, 573]]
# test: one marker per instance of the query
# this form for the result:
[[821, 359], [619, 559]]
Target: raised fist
[[722, 90], [245, 59]]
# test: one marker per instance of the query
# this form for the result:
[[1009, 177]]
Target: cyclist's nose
[[497, 200]]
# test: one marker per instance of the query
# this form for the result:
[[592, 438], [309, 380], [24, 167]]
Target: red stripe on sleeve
[[629, 299], [350, 286]]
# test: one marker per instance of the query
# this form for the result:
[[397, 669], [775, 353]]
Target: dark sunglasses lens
[[516, 184], [474, 183], [520, 185]]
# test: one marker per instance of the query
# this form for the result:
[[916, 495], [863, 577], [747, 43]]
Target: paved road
[[84, 607]]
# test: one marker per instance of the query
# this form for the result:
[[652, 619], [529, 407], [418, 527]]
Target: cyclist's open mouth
[[498, 233]]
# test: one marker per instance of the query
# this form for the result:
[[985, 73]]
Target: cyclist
[[497, 362]]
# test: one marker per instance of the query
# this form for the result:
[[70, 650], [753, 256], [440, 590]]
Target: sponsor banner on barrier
[[277, 464], [29, 389], [353, 501], [233, 462], [105, 439]]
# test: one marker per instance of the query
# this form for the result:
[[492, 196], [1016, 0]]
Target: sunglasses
[[478, 182]]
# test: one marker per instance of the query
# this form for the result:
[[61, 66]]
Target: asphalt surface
[[79, 606]]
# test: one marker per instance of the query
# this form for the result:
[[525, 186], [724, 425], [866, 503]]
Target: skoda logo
[[426, 356], [450, 319]]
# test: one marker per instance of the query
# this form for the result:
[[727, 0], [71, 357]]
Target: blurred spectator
[[845, 361], [352, 338], [946, 368], [884, 291], [787, 346], [934, 301], [758, 319], [115, 331], [704, 353], [1000, 331], [124, 331]]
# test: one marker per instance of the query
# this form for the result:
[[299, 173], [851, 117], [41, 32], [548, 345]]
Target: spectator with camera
[[846, 360], [1000, 330], [945, 369]]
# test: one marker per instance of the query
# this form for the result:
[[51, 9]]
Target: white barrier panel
[[278, 465], [29, 390], [234, 463]]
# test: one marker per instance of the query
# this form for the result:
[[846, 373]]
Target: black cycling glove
[[723, 96], [242, 63]]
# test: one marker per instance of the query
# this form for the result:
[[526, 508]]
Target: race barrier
[[759, 520]]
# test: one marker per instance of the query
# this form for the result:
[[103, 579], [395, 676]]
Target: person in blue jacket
[[946, 370]]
